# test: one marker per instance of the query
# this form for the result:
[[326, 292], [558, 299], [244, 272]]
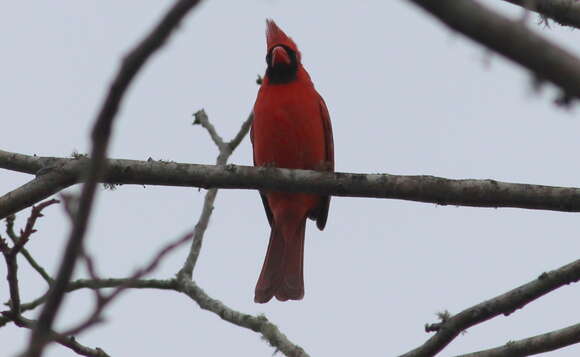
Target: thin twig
[[183, 285], [103, 301], [225, 151], [11, 254], [29, 228], [258, 324], [33, 263], [244, 129], [67, 341], [202, 119], [107, 283], [199, 231], [90, 266], [546, 342], [11, 276], [101, 133], [504, 304]]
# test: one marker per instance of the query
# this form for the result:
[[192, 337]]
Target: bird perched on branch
[[291, 129]]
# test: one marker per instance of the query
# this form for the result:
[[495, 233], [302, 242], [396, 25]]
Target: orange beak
[[280, 56]]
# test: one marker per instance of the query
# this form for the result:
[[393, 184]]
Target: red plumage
[[291, 129]]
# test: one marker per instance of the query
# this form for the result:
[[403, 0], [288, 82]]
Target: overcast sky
[[405, 95]]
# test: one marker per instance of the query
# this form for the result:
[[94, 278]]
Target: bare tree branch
[[507, 37], [11, 254], [225, 151], [101, 133], [67, 341], [199, 231], [203, 221], [504, 304], [531, 346], [446, 331], [202, 119], [510, 39], [258, 324], [103, 301], [36, 190], [11, 276], [33, 263], [25, 234], [233, 144], [183, 282], [429, 189], [564, 12], [170, 284]]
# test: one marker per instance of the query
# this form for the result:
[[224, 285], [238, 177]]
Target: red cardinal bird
[[291, 129]]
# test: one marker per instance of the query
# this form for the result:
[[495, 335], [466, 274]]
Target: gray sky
[[406, 96]]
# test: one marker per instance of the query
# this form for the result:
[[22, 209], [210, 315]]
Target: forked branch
[[504, 304]]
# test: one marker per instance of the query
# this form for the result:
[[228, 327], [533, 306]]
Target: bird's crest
[[275, 36]]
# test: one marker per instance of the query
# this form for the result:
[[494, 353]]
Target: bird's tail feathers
[[282, 273]]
